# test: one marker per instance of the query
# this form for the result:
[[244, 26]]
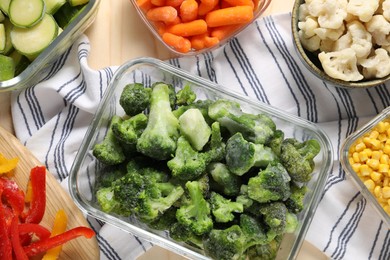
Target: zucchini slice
[[4, 6], [21, 62], [52, 6], [26, 13], [2, 17], [7, 68], [77, 2], [8, 45], [2, 37], [32, 41]]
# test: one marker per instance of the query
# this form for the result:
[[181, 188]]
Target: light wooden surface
[[56, 198], [118, 35]]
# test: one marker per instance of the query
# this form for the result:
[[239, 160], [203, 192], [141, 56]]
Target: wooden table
[[118, 35]]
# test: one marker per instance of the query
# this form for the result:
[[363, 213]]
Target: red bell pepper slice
[[5, 242], [30, 228], [51, 242], [15, 240], [38, 203], [13, 195]]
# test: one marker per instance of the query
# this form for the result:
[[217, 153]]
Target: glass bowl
[[259, 8], [38, 68], [312, 63], [149, 70], [352, 171]]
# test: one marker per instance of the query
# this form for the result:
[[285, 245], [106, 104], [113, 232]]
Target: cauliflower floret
[[379, 28], [311, 44], [364, 9], [330, 34], [330, 14], [361, 39], [378, 65], [308, 26], [344, 42], [327, 45], [386, 9], [341, 64], [303, 12]]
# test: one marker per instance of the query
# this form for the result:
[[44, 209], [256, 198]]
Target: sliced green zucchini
[[77, 2], [67, 13], [7, 68], [2, 37], [52, 6], [21, 62], [26, 13], [8, 44], [2, 17], [32, 41], [4, 6]]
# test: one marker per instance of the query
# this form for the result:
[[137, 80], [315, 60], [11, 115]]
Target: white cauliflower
[[303, 12], [379, 28], [308, 26], [330, 34], [361, 39], [327, 45], [378, 65], [386, 9], [330, 14], [311, 44], [341, 64], [344, 42], [364, 9]]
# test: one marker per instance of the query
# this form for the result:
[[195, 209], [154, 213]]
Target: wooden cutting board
[[57, 198]]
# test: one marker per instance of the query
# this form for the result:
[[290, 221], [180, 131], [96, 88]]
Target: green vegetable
[[158, 140], [182, 233], [185, 96], [7, 67], [223, 208], [195, 128], [295, 203], [271, 184], [226, 182], [195, 212], [129, 130], [258, 129], [109, 151], [135, 98], [242, 155], [297, 157]]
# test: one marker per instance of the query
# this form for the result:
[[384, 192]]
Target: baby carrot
[[223, 32], [179, 43], [240, 2], [158, 2], [163, 14], [189, 29], [188, 10], [206, 6], [174, 3], [202, 41], [144, 5], [229, 16]]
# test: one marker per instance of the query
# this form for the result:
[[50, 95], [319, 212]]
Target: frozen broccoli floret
[[254, 230], [243, 197], [223, 209], [195, 212], [108, 174], [271, 184], [109, 151], [275, 217], [129, 130], [295, 202], [185, 96], [159, 138], [188, 164], [266, 251], [242, 155], [226, 182], [182, 233], [216, 147], [135, 98], [194, 127], [276, 142], [297, 157], [108, 203], [165, 220], [202, 105], [291, 222], [258, 128]]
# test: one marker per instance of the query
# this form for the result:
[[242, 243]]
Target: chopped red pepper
[[30, 228], [38, 202], [13, 195], [51, 242], [5, 243], [15, 239]]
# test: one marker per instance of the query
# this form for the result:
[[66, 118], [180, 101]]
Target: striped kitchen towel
[[51, 119]]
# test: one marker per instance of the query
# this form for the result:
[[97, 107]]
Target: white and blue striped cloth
[[51, 119]]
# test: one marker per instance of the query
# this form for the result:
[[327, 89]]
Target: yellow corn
[[369, 157]]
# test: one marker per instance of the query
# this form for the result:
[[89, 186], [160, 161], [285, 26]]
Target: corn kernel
[[365, 170], [370, 185], [356, 167], [382, 138], [378, 192], [360, 147], [387, 209], [356, 156], [386, 181], [376, 176], [383, 168], [386, 192], [368, 152], [373, 163], [384, 159], [374, 134], [386, 149], [376, 155], [375, 144], [381, 127]]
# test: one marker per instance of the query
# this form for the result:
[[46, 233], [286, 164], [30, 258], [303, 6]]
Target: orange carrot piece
[[188, 10], [229, 16], [195, 27], [162, 14], [161, 27], [222, 32], [144, 5], [199, 42], [240, 2], [176, 21], [207, 6], [174, 3], [158, 2], [179, 43]]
